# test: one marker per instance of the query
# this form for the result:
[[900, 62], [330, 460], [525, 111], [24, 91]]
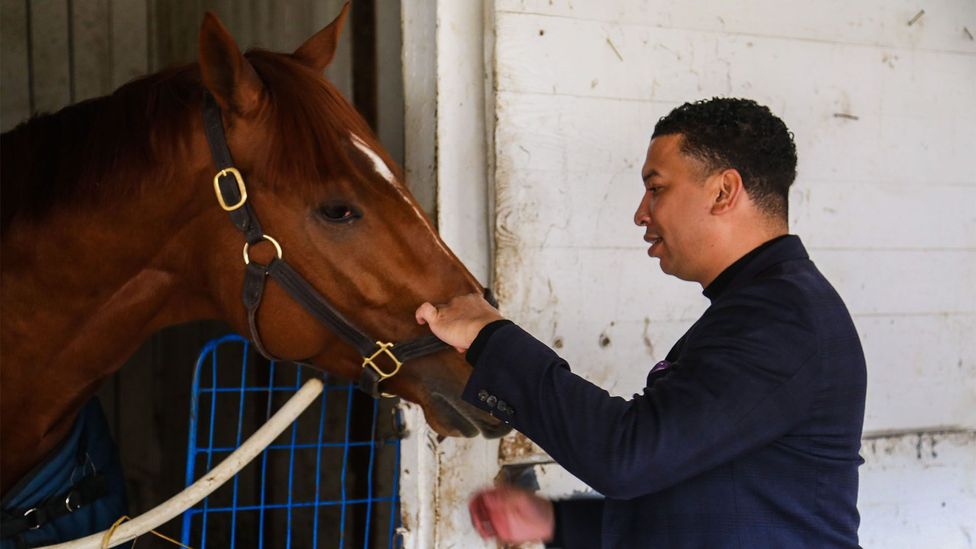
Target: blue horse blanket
[[87, 451]]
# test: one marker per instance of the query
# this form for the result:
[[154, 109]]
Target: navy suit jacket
[[749, 436]]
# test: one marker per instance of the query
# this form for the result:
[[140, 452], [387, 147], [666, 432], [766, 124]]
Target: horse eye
[[337, 212]]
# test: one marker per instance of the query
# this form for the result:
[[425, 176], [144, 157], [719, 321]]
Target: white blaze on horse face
[[381, 168], [378, 164]]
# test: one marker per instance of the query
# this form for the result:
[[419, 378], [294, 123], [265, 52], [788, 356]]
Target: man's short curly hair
[[740, 134]]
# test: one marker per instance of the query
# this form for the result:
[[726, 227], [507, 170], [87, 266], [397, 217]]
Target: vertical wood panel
[[152, 36], [228, 14], [389, 78], [15, 100], [128, 40], [135, 432], [49, 54], [363, 27], [244, 21], [340, 71], [175, 351], [292, 25], [462, 147], [92, 56], [263, 19], [177, 31], [420, 101]]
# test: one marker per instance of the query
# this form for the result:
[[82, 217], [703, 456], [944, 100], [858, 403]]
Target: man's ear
[[225, 72], [319, 50], [729, 191]]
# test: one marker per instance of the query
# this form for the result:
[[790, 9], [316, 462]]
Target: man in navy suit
[[747, 434]]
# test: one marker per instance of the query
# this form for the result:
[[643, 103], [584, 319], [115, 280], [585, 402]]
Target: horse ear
[[319, 50], [226, 73]]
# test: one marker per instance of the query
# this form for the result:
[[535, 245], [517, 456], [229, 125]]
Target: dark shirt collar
[[779, 249]]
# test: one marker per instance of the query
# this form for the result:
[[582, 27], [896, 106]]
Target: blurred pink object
[[511, 514]]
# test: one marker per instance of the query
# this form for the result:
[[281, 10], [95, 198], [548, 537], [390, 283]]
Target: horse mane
[[75, 153], [130, 138]]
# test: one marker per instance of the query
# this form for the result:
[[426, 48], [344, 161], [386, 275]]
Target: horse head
[[127, 213], [332, 209]]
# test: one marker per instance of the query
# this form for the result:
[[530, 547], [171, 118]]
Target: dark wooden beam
[[363, 28]]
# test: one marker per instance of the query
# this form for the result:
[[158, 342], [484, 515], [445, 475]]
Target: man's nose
[[642, 217]]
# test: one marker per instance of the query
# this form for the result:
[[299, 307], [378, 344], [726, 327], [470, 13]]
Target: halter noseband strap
[[232, 196]]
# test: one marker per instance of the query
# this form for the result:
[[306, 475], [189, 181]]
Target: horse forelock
[[313, 130]]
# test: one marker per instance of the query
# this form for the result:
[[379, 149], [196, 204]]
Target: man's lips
[[653, 240]]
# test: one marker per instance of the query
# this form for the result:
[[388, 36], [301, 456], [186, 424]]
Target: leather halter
[[232, 196]]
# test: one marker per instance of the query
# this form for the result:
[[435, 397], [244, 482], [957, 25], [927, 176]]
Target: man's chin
[[669, 270], [664, 265]]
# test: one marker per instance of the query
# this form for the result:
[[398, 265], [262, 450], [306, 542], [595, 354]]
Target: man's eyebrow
[[650, 174]]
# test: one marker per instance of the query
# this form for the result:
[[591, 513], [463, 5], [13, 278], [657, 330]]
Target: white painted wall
[[884, 114], [882, 99], [447, 167]]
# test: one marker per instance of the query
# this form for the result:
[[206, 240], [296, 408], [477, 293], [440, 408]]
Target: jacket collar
[[782, 248]]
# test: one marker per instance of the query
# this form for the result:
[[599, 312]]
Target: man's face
[[675, 209]]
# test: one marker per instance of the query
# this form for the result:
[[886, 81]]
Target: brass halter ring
[[277, 246], [384, 348]]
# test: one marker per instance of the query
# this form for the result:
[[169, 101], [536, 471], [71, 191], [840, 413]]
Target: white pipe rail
[[202, 488]]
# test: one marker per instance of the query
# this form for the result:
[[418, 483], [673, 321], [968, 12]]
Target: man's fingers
[[480, 517], [498, 509], [425, 312]]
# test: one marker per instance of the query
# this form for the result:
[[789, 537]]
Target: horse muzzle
[[465, 418]]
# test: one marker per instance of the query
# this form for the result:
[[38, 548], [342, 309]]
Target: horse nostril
[[467, 419], [452, 415], [495, 431], [490, 427]]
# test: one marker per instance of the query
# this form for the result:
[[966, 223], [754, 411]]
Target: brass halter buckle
[[240, 188], [384, 349]]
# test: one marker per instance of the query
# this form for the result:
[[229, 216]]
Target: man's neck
[[738, 245]]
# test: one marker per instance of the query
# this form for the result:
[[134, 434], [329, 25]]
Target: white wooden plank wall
[[883, 105], [446, 121]]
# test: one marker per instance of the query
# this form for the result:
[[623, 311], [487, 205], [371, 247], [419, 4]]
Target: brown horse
[[112, 230]]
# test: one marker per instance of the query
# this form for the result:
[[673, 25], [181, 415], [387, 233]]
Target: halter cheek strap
[[231, 194]]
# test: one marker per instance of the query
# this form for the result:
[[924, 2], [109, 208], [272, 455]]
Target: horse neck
[[93, 195], [88, 281]]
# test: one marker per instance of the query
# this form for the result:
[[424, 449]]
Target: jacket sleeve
[[746, 376], [579, 524]]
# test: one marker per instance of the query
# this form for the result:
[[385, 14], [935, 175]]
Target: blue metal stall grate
[[323, 482]]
